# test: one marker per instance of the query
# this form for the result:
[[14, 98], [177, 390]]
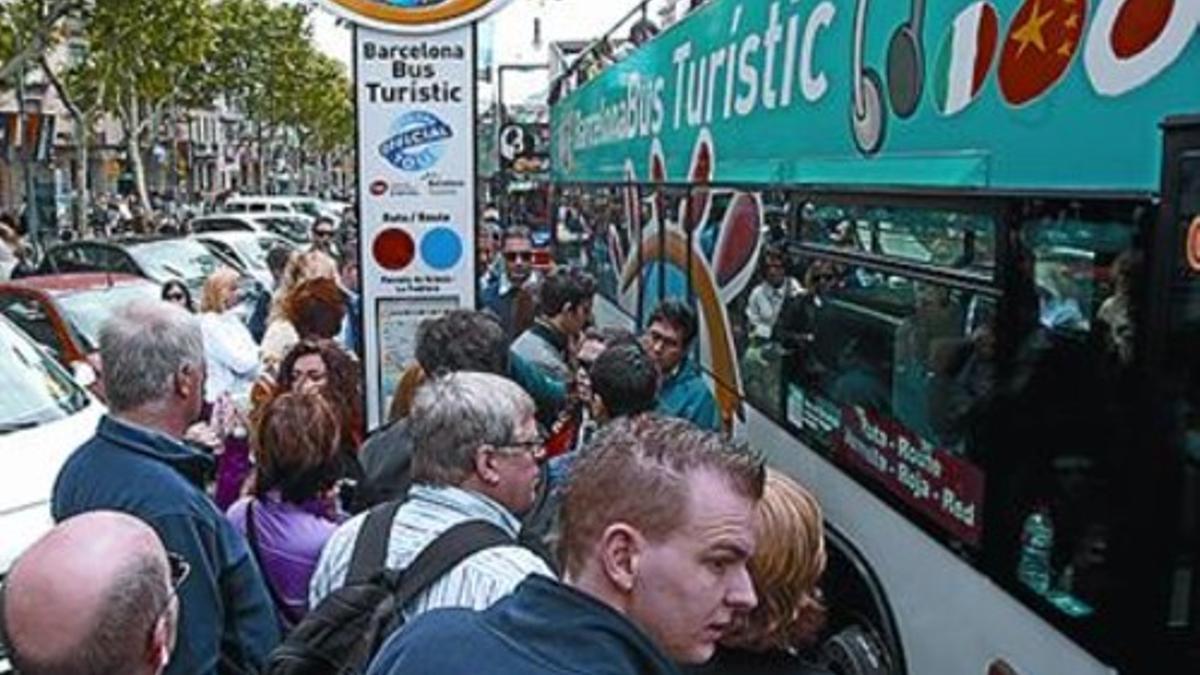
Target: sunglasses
[[323, 234], [519, 255], [176, 297]]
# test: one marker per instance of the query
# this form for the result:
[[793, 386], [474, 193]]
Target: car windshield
[[87, 310], [182, 259], [253, 250], [293, 229], [34, 389]]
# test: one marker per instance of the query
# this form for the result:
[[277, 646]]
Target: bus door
[[1178, 359]]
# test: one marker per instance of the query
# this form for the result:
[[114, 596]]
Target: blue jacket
[[226, 615], [542, 627], [686, 395]]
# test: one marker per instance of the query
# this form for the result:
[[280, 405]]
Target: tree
[[146, 56], [28, 28]]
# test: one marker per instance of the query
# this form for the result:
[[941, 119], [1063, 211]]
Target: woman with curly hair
[[324, 367], [787, 564]]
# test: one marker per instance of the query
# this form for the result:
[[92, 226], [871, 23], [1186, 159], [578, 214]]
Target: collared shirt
[[476, 582], [226, 615], [762, 310]]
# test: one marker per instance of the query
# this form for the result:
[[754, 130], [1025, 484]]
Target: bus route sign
[[413, 16]]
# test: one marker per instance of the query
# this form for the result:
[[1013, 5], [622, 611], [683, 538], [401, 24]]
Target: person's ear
[[621, 547], [486, 466], [187, 380], [161, 643]]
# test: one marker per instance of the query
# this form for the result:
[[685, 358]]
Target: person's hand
[[203, 434], [580, 390]]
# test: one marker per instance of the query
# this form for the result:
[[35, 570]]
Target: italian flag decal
[[965, 57]]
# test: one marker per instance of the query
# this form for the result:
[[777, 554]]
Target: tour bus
[[973, 231]]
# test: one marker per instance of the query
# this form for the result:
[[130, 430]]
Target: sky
[[513, 31]]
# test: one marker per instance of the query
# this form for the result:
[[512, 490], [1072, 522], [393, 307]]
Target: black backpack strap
[[371, 544], [442, 554]]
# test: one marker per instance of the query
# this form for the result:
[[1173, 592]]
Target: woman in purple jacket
[[291, 511]]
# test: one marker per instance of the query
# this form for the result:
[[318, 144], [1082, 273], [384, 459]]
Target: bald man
[[93, 596]]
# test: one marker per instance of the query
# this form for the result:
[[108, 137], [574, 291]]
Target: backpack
[[343, 633]]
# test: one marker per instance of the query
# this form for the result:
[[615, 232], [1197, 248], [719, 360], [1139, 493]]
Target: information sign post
[[414, 70]]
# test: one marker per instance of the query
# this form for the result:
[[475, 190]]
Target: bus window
[[1184, 363], [1062, 416]]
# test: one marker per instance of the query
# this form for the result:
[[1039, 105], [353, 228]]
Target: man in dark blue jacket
[[657, 528], [154, 377]]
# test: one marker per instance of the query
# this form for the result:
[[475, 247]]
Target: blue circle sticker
[[441, 248]]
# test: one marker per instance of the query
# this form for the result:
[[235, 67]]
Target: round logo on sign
[[416, 142], [413, 16], [1193, 245]]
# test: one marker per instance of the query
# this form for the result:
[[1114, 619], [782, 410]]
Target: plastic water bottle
[[1037, 542]]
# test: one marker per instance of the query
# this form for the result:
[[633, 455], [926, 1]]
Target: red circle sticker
[[1193, 245], [394, 249]]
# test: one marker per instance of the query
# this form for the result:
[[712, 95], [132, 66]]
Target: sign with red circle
[[393, 249], [1193, 245]]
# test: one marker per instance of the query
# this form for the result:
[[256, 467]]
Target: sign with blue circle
[[418, 139], [441, 248]]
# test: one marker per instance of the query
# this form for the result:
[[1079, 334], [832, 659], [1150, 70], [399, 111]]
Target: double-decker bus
[[946, 257]]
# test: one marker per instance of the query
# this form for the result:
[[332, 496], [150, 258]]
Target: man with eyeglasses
[[96, 594], [510, 296], [476, 456], [684, 393]]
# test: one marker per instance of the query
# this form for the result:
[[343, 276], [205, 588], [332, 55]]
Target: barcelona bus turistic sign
[[413, 16]]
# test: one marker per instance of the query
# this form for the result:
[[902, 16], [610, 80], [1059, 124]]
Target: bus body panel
[[789, 119]]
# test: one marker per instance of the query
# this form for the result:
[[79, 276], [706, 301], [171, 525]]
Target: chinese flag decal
[[1042, 39]]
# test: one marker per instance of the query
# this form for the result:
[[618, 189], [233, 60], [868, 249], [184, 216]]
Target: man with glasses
[[97, 594], [684, 393], [476, 456], [511, 295], [154, 374]]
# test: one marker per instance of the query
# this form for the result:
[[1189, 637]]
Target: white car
[[44, 416], [249, 249], [295, 227]]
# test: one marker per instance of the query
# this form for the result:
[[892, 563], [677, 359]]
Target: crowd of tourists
[[545, 496]]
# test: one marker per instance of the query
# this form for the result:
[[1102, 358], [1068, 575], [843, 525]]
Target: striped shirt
[[476, 582]]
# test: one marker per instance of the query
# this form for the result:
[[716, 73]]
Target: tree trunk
[[83, 142], [133, 146]]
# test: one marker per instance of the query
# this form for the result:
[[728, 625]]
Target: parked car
[[294, 227], [44, 416], [157, 259], [249, 249], [64, 313]]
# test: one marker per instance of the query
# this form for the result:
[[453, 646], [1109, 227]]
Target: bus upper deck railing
[[644, 22]]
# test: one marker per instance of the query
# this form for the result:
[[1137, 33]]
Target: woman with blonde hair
[[282, 332], [231, 360], [787, 565]]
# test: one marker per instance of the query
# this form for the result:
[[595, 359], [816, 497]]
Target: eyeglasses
[[179, 570], [322, 234], [536, 448]]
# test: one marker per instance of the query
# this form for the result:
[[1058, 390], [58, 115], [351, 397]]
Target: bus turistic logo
[[417, 141], [422, 15]]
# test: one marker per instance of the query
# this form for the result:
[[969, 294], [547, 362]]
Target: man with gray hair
[[96, 594], [476, 453], [136, 463]]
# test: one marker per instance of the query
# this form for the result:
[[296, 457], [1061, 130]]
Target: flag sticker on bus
[[1042, 39], [966, 56]]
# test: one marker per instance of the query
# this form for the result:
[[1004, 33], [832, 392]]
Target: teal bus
[[946, 259]]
